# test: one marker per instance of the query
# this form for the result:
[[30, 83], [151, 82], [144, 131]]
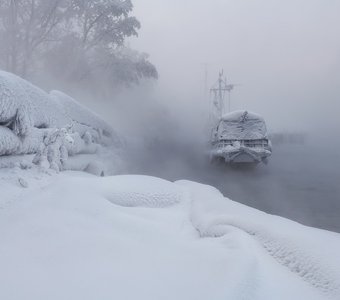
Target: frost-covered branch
[[36, 35]]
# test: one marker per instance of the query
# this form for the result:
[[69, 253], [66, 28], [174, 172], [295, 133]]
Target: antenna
[[230, 88]]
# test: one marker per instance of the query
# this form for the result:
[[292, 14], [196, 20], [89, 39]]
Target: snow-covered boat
[[240, 137]]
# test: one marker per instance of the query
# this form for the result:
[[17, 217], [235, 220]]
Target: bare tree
[[87, 34], [104, 22], [26, 26]]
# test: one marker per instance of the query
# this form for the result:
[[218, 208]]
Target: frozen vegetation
[[54, 128]]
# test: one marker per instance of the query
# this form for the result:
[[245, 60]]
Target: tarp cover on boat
[[242, 125]]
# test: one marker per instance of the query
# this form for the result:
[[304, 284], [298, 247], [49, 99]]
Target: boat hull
[[242, 155]]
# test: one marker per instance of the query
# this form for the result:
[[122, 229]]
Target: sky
[[284, 54]]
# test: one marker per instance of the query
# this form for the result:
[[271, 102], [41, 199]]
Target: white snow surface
[[27, 106], [232, 126], [236, 115], [84, 119], [24, 106], [75, 236], [54, 127]]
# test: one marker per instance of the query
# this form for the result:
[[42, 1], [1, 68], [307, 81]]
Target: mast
[[219, 90]]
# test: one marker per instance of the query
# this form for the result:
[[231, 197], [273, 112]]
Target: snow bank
[[145, 192], [310, 254], [84, 120], [52, 126], [9, 142], [75, 236], [24, 106]]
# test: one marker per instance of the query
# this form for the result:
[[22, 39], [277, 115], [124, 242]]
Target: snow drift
[[76, 236], [51, 126]]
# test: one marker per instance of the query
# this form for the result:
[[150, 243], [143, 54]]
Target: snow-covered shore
[[75, 236], [72, 235]]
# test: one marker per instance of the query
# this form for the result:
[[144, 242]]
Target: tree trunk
[[13, 50]]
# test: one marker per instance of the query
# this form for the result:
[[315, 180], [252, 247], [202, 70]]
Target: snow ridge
[[156, 239], [289, 243], [147, 191], [305, 265]]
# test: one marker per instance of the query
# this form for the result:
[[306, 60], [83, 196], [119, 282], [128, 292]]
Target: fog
[[285, 55]]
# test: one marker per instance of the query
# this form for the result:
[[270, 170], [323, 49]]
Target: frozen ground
[[76, 236]]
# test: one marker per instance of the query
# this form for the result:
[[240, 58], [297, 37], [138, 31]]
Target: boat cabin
[[240, 136]]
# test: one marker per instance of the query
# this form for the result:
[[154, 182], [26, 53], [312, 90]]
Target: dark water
[[301, 182]]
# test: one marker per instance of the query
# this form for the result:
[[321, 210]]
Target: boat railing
[[262, 143]]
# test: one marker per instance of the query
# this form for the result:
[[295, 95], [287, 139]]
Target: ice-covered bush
[[52, 126]]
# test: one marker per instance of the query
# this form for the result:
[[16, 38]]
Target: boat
[[240, 137]]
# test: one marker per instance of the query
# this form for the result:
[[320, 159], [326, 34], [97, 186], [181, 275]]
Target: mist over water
[[301, 182], [284, 55], [169, 140]]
